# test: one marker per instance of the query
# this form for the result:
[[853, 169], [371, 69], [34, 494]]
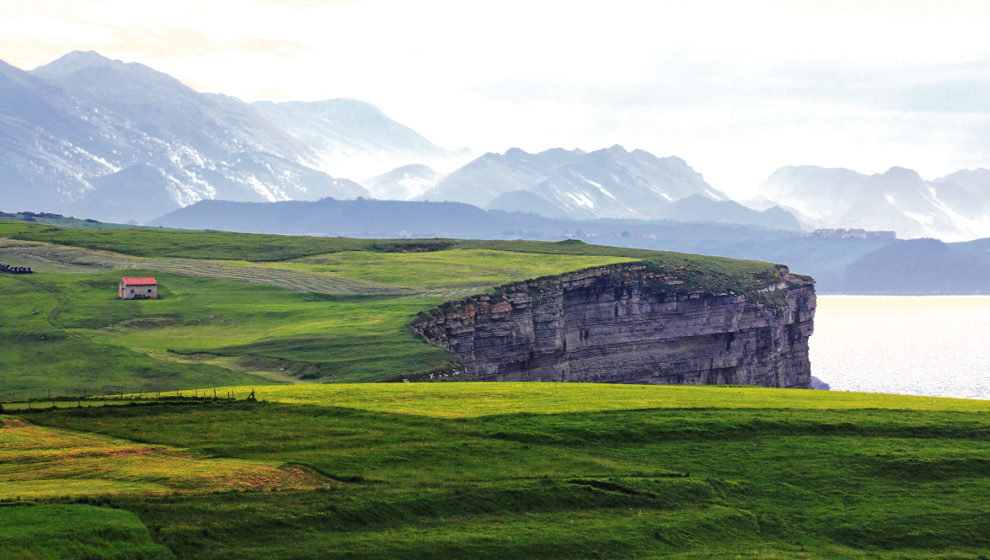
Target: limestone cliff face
[[630, 323]]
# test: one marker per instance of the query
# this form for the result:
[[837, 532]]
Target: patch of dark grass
[[75, 531]]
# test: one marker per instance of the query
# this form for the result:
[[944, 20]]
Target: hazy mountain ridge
[[403, 183], [393, 218], [210, 124], [840, 265], [482, 180], [954, 207], [119, 141], [355, 139], [123, 142], [606, 183]]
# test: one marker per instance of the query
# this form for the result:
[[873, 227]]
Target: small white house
[[138, 288]]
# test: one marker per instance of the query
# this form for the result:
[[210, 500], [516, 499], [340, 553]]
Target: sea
[[931, 345]]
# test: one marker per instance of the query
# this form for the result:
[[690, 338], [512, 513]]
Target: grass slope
[[465, 400], [50, 532], [576, 471], [256, 309], [37, 462]]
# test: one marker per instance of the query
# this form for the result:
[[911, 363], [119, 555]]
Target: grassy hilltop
[[423, 470], [242, 309]]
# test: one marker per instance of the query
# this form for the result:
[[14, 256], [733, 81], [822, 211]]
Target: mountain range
[[100, 138], [120, 141], [856, 263], [954, 207], [606, 183]]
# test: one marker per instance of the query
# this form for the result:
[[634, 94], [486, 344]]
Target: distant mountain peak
[[902, 173], [91, 72], [951, 208], [80, 59], [403, 183], [606, 183], [516, 153], [356, 139], [96, 127]]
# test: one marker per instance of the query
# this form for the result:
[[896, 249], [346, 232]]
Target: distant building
[[138, 288]]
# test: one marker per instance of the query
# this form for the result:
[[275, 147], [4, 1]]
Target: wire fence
[[107, 396]]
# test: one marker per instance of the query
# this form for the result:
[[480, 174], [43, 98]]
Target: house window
[[132, 290], [149, 290]]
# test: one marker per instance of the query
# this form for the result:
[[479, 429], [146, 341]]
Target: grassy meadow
[[328, 317], [567, 471], [54, 532], [320, 466], [38, 462], [242, 309]]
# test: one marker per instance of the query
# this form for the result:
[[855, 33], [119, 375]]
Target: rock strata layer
[[630, 323]]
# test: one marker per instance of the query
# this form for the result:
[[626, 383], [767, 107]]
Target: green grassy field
[[54, 532], [37, 462], [422, 470], [572, 471], [260, 309]]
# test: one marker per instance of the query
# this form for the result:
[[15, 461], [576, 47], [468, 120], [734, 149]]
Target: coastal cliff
[[632, 323]]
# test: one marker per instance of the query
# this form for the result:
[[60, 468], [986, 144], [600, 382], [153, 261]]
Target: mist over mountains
[[854, 263], [606, 183], [355, 139], [119, 141], [99, 138], [954, 207]]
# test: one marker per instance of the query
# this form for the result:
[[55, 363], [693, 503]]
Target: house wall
[[138, 292]]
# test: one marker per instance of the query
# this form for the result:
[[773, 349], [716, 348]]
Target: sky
[[737, 89]]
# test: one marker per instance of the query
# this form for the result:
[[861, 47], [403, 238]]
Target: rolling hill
[[499, 470], [241, 308], [230, 432]]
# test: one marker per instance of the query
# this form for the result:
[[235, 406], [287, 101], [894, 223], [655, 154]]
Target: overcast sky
[[736, 88]]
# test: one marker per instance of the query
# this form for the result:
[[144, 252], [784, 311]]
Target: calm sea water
[[938, 346]]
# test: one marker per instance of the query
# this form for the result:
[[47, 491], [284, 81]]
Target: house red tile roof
[[148, 281]]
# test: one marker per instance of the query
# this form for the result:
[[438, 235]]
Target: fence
[[25, 400]]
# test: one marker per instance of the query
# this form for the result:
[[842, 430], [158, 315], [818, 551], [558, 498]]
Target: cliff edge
[[640, 322]]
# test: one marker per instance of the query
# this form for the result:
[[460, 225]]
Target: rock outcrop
[[631, 323]]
